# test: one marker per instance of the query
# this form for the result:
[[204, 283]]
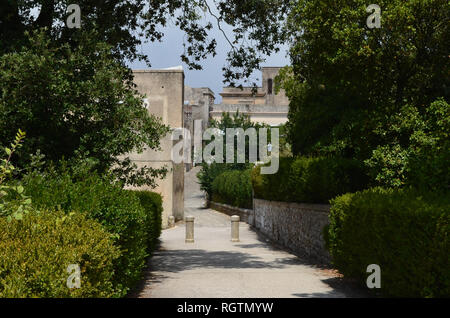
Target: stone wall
[[298, 227], [231, 210]]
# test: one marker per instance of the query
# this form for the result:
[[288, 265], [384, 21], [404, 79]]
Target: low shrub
[[405, 232], [233, 188], [35, 254], [309, 180], [207, 174], [119, 211], [152, 203]]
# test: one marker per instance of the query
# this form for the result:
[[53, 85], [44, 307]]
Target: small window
[[269, 86]]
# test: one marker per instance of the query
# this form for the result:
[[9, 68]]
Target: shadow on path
[[182, 260]]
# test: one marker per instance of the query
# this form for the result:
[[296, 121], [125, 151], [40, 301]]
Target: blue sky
[[167, 54]]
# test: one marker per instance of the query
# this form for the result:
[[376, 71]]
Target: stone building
[[178, 106], [164, 98], [264, 106], [198, 102]]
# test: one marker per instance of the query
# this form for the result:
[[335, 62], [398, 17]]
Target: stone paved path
[[215, 267]]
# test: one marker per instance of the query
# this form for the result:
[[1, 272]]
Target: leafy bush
[[415, 148], [336, 106], [210, 171], [13, 203], [207, 175], [77, 101], [403, 231], [35, 253], [152, 203], [234, 188], [309, 180], [428, 166], [119, 211]]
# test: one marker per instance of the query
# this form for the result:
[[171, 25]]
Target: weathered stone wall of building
[[273, 115], [298, 227], [264, 105], [201, 100], [197, 104], [245, 95], [280, 98], [164, 92]]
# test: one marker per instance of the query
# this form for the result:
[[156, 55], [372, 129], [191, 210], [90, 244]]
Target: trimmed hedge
[[119, 211], [233, 188], [207, 175], [309, 180], [152, 203], [36, 251], [405, 232]]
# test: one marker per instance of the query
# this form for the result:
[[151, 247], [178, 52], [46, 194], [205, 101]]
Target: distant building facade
[[178, 106], [264, 106], [198, 103], [201, 101], [164, 97]]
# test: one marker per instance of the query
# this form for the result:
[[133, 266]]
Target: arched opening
[[269, 86]]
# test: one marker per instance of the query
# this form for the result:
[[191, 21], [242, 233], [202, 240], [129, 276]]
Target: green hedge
[[233, 188], [309, 180], [119, 211], [406, 233], [207, 174], [152, 203], [36, 251]]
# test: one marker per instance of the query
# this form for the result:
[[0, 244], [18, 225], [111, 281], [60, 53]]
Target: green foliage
[[152, 203], [36, 251], [285, 147], [366, 93], [210, 171], [119, 211], [309, 180], [13, 202], [405, 232], [238, 121], [415, 148], [6, 168], [77, 103], [207, 174], [126, 25], [233, 188]]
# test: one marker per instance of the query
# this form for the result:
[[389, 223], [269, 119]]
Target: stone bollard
[[235, 228], [171, 221], [189, 229]]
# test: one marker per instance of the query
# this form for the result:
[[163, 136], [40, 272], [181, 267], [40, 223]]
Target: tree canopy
[[75, 104], [124, 24], [374, 94], [70, 90]]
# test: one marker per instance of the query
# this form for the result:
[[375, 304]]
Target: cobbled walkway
[[215, 267]]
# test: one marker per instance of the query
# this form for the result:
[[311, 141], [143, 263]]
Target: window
[[269, 86]]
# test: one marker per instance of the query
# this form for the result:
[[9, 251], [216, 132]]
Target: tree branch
[[218, 24], [45, 18]]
